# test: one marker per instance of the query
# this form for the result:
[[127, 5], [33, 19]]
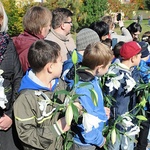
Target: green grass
[[144, 25]]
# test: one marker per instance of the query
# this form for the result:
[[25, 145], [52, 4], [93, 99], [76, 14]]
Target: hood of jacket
[[24, 41], [31, 82]]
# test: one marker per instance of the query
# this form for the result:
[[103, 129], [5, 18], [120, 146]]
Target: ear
[[133, 58], [62, 26], [49, 67], [99, 68]]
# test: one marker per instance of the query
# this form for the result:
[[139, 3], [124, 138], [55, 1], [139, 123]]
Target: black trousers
[[142, 139]]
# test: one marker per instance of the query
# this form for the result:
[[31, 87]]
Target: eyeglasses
[[69, 22]]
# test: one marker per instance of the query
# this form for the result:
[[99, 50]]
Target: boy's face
[[137, 59], [57, 67], [103, 70]]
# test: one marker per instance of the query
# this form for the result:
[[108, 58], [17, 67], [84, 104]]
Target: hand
[[107, 111], [5, 122], [121, 24], [62, 124], [103, 143]]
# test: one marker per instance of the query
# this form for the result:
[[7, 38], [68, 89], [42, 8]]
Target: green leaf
[[69, 144], [143, 102], [62, 92], [76, 79], [75, 112], [84, 84], [74, 97], [74, 57], [94, 97], [140, 117]]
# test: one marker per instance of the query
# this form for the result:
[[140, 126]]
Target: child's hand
[[62, 124], [103, 143], [107, 111]]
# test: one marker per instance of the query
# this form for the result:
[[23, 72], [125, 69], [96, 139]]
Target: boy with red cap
[[120, 87]]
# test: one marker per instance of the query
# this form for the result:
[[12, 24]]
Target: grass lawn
[[144, 24]]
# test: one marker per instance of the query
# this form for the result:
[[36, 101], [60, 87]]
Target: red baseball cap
[[130, 49]]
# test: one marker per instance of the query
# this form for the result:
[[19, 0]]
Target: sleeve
[[18, 73], [95, 136], [30, 131], [126, 36], [16, 76]]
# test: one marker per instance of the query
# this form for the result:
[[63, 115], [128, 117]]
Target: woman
[[37, 23], [10, 81], [135, 29]]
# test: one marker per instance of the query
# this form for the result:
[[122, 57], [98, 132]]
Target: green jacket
[[37, 130]]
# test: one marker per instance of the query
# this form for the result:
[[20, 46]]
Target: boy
[[120, 88], [36, 125], [143, 72], [84, 37], [89, 134]]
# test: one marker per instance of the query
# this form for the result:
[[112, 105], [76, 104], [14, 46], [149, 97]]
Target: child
[[34, 107], [120, 88], [146, 38], [144, 74], [97, 58], [84, 37], [116, 51]]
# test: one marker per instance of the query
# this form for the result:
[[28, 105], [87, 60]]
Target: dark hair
[[134, 27], [97, 54], [42, 52], [146, 37], [60, 15], [107, 42], [101, 28], [117, 48]]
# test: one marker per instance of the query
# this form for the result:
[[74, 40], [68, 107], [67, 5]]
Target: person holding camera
[[125, 36]]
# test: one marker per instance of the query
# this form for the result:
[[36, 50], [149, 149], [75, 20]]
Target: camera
[[118, 16]]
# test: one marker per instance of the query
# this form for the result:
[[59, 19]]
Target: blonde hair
[[97, 54], [3, 15]]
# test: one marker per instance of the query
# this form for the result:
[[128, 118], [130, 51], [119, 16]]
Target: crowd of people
[[37, 64]]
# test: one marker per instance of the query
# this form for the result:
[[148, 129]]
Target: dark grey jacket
[[12, 76]]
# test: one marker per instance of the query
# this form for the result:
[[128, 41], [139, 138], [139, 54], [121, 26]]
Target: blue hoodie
[[31, 82], [68, 64], [95, 136]]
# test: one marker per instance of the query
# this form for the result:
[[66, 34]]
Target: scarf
[[3, 44]]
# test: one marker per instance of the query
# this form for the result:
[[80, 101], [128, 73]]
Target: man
[[60, 32]]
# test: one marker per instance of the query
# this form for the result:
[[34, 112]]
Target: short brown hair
[[60, 15], [97, 54], [36, 18], [108, 20], [42, 52]]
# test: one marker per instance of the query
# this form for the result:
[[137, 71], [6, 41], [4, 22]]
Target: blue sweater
[[94, 136]]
